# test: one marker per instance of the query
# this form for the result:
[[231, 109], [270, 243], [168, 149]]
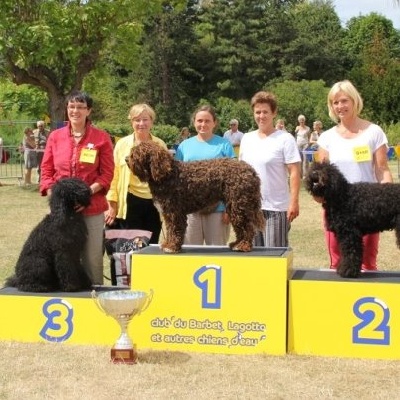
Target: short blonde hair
[[137, 109], [347, 88], [301, 117]]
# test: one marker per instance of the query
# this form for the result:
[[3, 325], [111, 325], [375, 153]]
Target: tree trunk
[[56, 109]]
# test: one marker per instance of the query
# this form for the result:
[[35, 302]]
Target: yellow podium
[[71, 318], [333, 316], [210, 299]]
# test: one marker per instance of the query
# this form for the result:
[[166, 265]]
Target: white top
[[234, 137], [354, 157], [302, 136], [269, 157]]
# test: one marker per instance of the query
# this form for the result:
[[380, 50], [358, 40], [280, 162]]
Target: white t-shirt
[[354, 157], [234, 137], [302, 136], [269, 157]]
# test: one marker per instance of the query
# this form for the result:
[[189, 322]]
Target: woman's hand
[[79, 208], [111, 213], [225, 218]]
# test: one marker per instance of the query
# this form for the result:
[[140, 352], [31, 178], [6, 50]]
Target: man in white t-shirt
[[234, 135]]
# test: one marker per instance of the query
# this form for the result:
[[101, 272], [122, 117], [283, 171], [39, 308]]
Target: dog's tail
[[11, 281]]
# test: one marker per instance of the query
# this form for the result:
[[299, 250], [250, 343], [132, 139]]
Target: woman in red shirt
[[81, 150]]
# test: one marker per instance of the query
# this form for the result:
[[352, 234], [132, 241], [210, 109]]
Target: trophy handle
[[149, 298], [96, 300]]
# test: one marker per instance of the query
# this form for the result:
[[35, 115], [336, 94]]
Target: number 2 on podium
[[374, 326]]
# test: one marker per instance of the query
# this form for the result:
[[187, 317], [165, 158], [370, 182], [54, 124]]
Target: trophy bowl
[[123, 305]]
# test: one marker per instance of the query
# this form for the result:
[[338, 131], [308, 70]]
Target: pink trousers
[[370, 250]]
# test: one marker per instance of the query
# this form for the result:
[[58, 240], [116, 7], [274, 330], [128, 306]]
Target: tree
[[376, 75], [315, 51], [54, 44], [22, 102], [304, 97], [361, 32], [374, 47], [158, 67], [168, 42], [241, 44]]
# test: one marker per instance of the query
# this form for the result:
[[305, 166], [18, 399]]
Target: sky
[[347, 9]]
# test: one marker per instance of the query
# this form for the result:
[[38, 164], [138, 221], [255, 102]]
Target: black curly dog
[[353, 210], [50, 258]]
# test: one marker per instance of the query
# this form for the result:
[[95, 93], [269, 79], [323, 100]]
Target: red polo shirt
[[63, 158]]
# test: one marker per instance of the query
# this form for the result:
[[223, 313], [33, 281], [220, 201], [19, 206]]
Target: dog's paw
[[169, 249], [241, 246], [233, 244]]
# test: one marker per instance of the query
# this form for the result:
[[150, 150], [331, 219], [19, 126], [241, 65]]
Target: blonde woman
[[130, 201], [302, 135], [315, 134], [358, 148], [30, 155]]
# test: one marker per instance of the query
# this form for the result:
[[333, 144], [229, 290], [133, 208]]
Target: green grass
[[23, 208], [69, 372]]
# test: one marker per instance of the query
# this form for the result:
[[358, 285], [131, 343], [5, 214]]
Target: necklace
[[77, 135]]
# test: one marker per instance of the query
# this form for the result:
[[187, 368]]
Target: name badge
[[362, 153], [88, 156]]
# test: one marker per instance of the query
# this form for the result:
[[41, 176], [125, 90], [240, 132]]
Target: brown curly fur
[[182, 188]]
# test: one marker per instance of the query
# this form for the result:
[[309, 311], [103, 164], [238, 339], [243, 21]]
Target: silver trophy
[[123, 305]]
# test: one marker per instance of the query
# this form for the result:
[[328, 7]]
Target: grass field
[[56, 371]]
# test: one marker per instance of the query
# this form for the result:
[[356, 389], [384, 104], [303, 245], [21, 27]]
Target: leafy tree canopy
[[53, 44]]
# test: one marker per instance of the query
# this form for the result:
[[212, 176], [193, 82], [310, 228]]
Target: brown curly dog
[[181, 188]]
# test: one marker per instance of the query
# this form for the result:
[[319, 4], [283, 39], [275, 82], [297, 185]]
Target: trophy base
[[124, 356]]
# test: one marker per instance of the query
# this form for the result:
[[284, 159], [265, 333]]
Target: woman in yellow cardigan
[[130, 201]]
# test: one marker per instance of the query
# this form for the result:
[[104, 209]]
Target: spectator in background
[[30, 154], [302, 134], [274, 155], [183, 135], [81, 150], [315, 134], [40, 135], [280, 125], [359, 149], [234, 135], [211, 227], [1, 150], [130, 203]]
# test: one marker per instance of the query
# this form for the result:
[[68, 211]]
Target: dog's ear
[[314, 183], [161, 164], [138, 163]]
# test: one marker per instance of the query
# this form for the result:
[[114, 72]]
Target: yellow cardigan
[[124, 178]]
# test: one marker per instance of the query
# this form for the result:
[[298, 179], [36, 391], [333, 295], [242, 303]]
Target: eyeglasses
[[78, 108]]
